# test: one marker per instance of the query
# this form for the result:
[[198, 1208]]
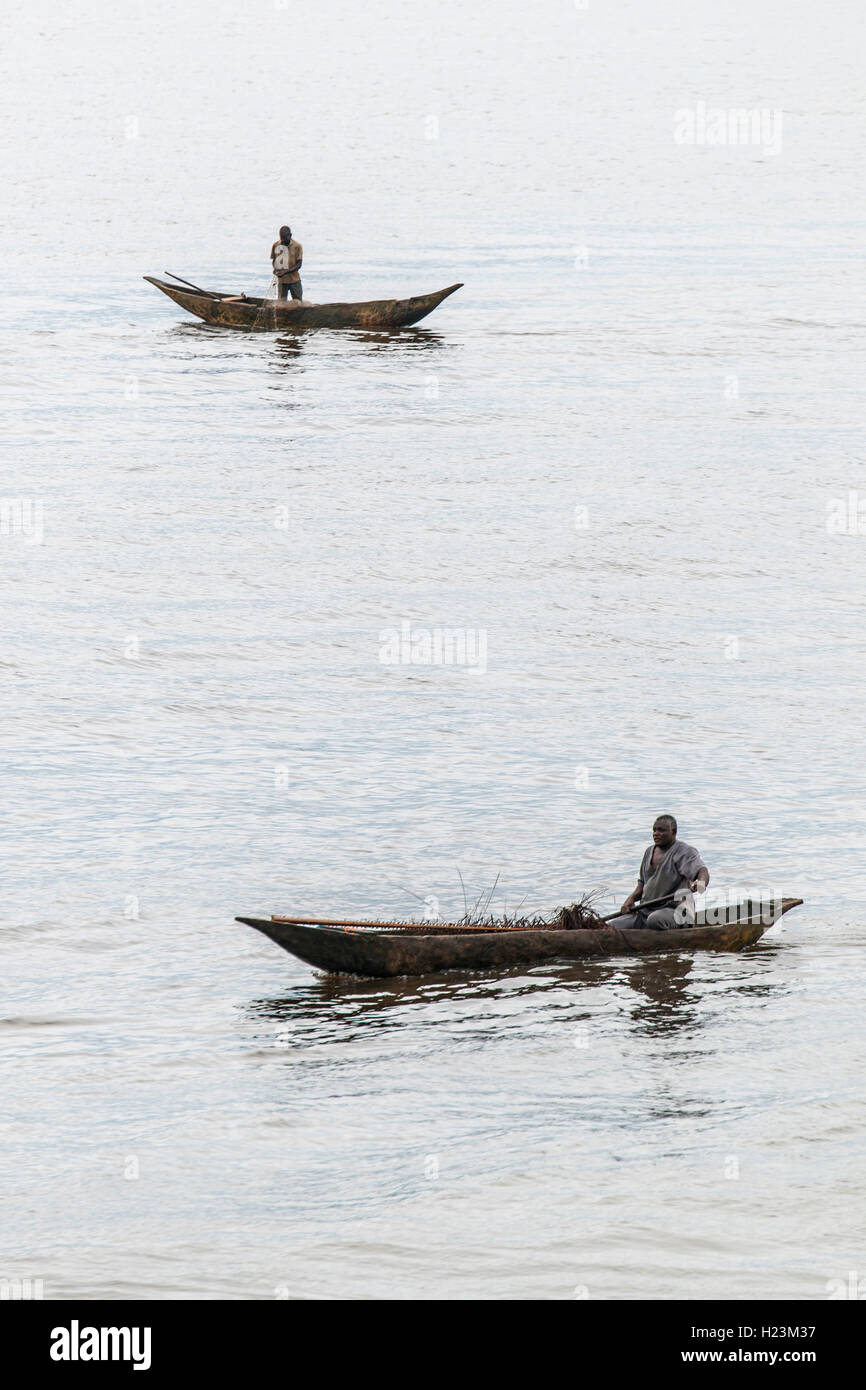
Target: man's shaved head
[[671, 821]]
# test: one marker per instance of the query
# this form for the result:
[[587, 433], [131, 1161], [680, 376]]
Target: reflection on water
[[398, 340], [287, 350], [659, 999]]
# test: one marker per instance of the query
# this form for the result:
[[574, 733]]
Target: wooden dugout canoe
[[388, 953], [276, 315]]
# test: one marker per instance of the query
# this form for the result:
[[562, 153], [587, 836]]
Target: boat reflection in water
[[660, 996], [287, 347]]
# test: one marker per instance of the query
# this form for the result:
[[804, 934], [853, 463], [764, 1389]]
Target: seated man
[[669, 868]]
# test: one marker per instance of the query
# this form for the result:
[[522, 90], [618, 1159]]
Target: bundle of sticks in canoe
[[579, 916]]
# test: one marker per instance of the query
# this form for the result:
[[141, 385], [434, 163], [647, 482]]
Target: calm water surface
[[613, 453]]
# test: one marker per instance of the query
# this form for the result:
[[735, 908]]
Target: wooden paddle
[[210, 294], [345, 922], [643, 907], [355, 922], [434, 926]]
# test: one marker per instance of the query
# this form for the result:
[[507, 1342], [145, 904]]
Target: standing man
[[287, 257], [669, 866]]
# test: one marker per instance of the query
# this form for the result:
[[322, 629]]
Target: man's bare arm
[[632, 898]]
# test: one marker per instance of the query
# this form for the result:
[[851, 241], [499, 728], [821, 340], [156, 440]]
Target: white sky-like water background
[[197, 722]]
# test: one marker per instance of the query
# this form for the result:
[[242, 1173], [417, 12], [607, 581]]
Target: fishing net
[[265, 311], [266, 315]]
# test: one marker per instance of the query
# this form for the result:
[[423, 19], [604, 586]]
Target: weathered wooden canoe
[[278, 315], [387, 953]]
